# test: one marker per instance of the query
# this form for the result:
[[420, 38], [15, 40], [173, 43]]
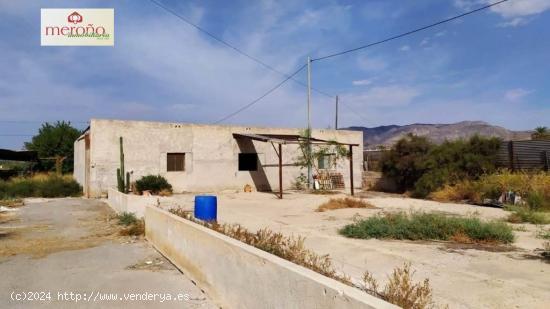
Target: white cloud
[[424, 42], [384, 96], [369, 63], [362, 82], [405, 48], [441, 33], [518, 8], [516, 94], [513, 11], [515, 22]]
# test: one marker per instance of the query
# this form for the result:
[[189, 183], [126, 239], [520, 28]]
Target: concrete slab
[[69, 245]]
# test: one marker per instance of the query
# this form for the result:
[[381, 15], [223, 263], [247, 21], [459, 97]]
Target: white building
[[202, 158]]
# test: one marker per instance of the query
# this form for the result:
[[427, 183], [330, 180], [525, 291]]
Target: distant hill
[[388, 135]]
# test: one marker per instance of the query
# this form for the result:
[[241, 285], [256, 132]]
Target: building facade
[[197, 158]]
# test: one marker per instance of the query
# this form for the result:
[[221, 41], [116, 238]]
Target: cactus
[[122, 183]]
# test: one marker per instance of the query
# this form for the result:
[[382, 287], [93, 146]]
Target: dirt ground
[[462, 276], [73, 245]]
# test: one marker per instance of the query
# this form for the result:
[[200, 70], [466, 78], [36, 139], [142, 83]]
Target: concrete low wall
[[237, 275], [121, 202]]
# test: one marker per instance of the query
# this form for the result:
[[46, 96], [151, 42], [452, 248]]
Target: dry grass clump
[[522, 214], [546, 250], [527, 185], [132, 225], [340, 203], [288, 248], [11, 203], [40, 185], [401, 290]]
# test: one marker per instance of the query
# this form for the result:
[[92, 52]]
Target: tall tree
[[54, 144]]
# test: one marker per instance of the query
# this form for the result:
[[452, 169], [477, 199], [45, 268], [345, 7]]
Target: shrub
[[300, 182], [126, 218], [543, 233], [400, 290], [406, 161], [535, 188], [132, 225], [535, 200], [429, 226], [153, 183], [525, 215], [418, 165], [546, 250], [135, 229], [40, 185]]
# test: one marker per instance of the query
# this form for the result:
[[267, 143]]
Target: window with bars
[[175, 162], [326, 161]]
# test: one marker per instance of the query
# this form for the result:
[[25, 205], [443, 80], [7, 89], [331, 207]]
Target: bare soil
[[462, 275]]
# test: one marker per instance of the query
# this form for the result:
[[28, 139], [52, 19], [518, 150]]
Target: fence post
[[511, 154]]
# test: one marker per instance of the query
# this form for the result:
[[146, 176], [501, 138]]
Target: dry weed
[[401, 290], [165, 192], [135, 229], [340, 203]]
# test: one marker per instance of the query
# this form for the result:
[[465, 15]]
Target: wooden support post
[[280, 171], [351, 169]]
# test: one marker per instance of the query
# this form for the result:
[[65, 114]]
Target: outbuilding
[[208, 158]]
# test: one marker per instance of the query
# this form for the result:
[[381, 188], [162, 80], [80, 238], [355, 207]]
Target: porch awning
[[287, 139]]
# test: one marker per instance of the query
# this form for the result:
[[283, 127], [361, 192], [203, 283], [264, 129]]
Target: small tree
[[406, 161], [55, 142], [541, 133]]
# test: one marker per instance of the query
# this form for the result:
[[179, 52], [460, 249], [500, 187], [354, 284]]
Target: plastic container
[[206, 207]]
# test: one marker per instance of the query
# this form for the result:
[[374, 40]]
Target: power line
[[238, 50], [261, 97], [359, 115], [410, 32], [267, 66]]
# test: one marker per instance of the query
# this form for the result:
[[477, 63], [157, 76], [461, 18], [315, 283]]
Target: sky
[[491, 66]]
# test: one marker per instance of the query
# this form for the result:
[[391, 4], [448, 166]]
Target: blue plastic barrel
[[206, 207]]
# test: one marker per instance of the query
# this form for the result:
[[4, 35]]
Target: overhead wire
[[409, 32], [261, 97]]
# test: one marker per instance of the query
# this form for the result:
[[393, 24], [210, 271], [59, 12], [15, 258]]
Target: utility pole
[[336, 122], [309, 167]]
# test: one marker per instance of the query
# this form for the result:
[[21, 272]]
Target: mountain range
[[388, 135]]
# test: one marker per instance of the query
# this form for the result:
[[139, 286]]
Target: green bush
[[422, 167], [41, 185], [525, 215], [153, 183], [406, 161], [126, 218], [536, 201], [429, 226]]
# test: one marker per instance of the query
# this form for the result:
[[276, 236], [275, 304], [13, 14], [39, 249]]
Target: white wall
[[211, 155], [79, 161], [236, 275]]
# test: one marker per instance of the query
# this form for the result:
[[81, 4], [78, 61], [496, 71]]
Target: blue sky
[[492, 66]]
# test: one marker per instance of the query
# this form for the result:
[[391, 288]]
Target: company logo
[[77, 27], [75, 18]]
